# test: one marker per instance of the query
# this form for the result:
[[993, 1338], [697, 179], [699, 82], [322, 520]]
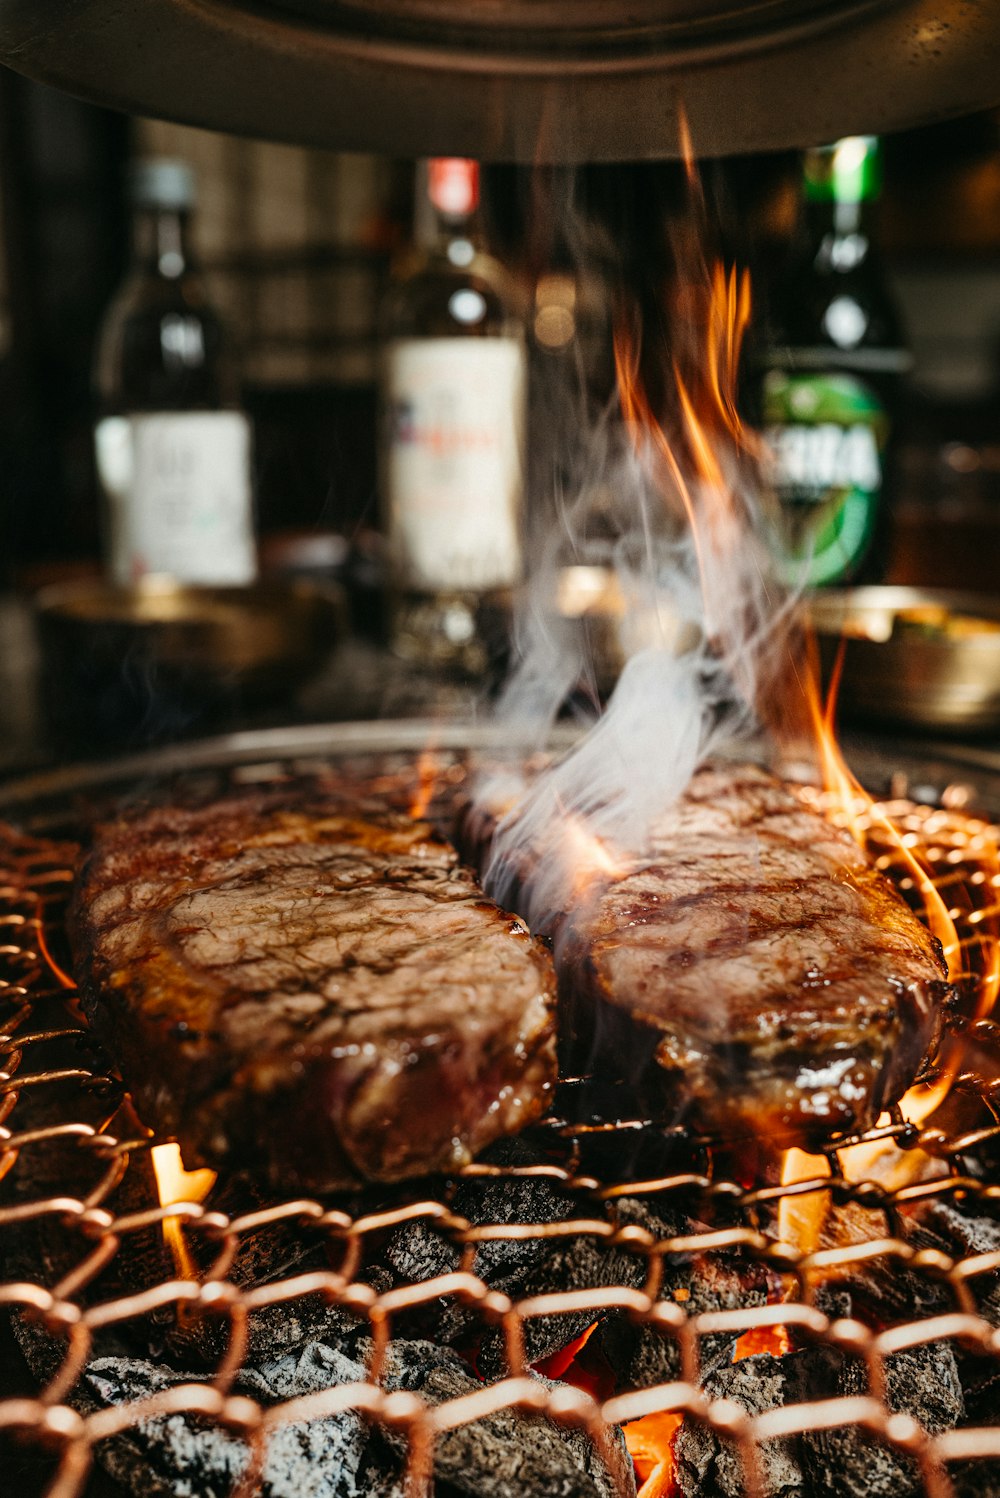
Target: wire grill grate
[[71, 1152]]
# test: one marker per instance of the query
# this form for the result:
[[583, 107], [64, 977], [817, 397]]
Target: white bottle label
[[179, 496], [454, 482]]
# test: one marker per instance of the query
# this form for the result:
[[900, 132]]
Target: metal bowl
[[131, 666], [924, 658]]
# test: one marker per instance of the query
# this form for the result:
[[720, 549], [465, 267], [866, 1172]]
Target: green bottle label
[[826, 434]]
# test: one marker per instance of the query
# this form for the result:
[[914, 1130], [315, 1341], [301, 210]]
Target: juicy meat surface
[[755, 970], [318, 993]]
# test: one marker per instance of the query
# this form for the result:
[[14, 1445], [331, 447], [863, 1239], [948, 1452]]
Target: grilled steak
[[325, 995], [755, 970]]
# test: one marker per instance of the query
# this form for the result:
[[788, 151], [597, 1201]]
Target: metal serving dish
[[129, 666], [927, 658]]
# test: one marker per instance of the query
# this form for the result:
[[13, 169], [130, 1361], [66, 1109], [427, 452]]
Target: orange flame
[[772, 1339], [428, 773], [590, 859], [706, 401], [870, 821], [175, 1184], [649, 1442], [859, 811]]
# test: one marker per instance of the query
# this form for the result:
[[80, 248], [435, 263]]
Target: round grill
[[99, 1282]]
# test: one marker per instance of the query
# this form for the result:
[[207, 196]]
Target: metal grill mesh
[[74, 1118]]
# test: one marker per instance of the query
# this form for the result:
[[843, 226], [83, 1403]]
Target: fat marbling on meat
[[320, 993]]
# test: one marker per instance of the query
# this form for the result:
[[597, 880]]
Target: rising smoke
[[663, 492]]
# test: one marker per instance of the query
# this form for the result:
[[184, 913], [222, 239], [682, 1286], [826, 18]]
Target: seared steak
[[754, 971], [326, 996]]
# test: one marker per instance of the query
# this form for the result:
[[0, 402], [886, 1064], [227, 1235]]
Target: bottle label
[[179, 496], [826, 437], [455, 414]]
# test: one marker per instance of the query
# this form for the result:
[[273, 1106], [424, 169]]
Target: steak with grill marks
[[755, 970], [323, 994]]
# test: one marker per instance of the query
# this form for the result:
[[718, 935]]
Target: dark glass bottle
[[452, 391], [172, 445], [835, 361]]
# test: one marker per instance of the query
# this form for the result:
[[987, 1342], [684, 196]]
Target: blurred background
[[297, 246]]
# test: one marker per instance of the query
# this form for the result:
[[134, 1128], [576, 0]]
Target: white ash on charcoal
[[178, 1455], [847, 1462], [507, 1455]]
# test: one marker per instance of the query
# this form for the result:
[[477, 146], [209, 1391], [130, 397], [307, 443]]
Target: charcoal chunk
[[851, 1463], [709, 1467], [178, 1455], [506, 1455], [640, 1355], [846, 1462], [524, 1267]]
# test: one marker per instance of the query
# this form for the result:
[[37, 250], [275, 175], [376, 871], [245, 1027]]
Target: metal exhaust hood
[[519, 80]]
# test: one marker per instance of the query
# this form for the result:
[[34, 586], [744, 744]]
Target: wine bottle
[[452, 391], [173, 446]]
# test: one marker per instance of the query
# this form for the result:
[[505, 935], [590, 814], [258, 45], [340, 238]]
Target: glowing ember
[[175, 1184], [650, 1445], [428, 773], [772, 1339], [557, 1364]]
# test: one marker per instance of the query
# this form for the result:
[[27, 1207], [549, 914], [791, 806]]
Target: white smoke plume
[[669, 503]]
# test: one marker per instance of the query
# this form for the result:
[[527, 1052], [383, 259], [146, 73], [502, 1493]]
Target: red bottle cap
[[453, 185]]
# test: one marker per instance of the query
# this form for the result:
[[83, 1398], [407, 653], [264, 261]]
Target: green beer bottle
[[835, 361]]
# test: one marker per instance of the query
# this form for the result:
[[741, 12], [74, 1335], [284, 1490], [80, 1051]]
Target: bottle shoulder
[[163, 345], [431, 295]]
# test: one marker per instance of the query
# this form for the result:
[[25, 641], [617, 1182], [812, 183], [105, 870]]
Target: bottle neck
[[457, 239], [447, 219], [839, 233], [160, 240]]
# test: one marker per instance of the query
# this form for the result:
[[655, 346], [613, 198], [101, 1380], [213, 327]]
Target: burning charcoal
[[507, 1455], [847, 1462], [518, 1267], [706, 1466], [177, 1455], [266, 1255], [640, 1355], [881, 1292], [850, 1463]]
